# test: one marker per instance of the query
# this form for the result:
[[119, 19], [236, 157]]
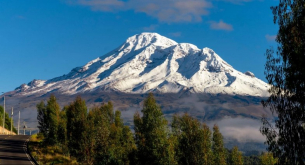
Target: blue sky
[[43, 39]]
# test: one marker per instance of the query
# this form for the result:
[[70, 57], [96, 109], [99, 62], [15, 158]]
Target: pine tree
[[219, 151], [151, 134], [236, 157]]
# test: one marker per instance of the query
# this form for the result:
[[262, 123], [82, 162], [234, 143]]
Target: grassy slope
[[48, 154]]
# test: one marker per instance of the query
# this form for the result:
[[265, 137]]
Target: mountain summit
[[149, 62]]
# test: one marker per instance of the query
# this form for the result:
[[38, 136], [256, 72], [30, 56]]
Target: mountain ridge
[[149, 62]]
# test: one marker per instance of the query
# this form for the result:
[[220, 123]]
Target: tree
[[62, 130], [48, 117], [114, 143], [173, 149], [76, 118], [8, 120], [236, 157], [102, 132], [151, 134], [285, 72], [52, 110], [88, 142], [268, 159], [252, 159], [207, 145], [194, 141], [42, 119], [122, 142], [219, 151]]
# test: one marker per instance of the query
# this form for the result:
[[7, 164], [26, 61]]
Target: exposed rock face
[[248, 73]]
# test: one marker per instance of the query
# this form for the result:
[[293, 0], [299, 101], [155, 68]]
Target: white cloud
[[220, 26], [163, 10], [270, 37]]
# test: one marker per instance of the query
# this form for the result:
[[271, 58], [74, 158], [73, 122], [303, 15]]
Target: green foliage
[[102, 132], [46, 154], [48, 118], [8, 121], [151, 134], [42, 118], [219, 151], [52, 110], [100, 137], [268, 159], [285, 72], [236, 157], [252, 160], [88, 141], [194, 141], [76, 118], [122, 142], [62, 131], [173, 150], [115, 143]]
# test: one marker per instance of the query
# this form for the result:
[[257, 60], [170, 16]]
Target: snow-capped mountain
[[150, 62]]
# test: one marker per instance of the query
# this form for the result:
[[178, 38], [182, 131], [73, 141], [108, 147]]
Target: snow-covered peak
[[145, 39], [150, 62], [187, 47]]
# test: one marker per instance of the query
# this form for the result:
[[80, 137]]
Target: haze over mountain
[[149, 62]]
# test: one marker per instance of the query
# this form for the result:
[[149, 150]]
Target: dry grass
[[48, 155], [6, 132]]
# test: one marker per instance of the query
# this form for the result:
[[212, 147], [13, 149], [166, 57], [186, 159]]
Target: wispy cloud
[[270, 37], [241, 129], [163, 10], [100, 5], [220, 26], [176, 34]]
